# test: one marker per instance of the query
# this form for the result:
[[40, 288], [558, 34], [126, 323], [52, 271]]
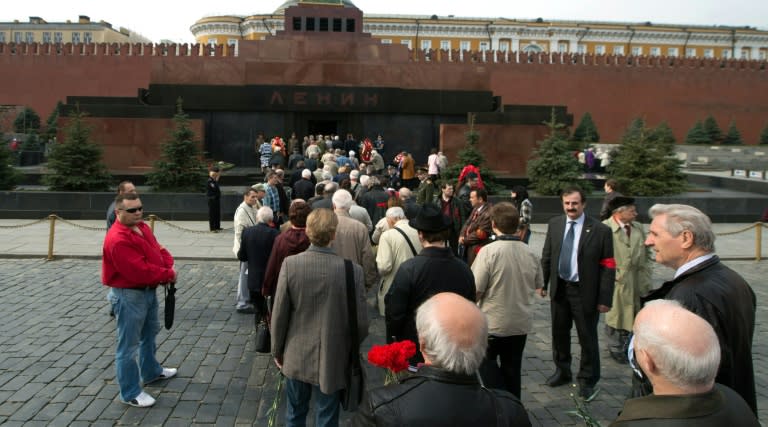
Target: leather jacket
[[436, 397]]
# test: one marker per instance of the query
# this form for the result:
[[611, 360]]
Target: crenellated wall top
[[430, 56]]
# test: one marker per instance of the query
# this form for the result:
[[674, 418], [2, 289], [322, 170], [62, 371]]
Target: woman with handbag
[[312, 336]]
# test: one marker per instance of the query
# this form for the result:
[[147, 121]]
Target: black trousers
[[214, 213], [567, 310], [503, 362]]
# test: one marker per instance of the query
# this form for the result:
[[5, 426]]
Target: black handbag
[[170, 304], [263, 339], [352, 394]]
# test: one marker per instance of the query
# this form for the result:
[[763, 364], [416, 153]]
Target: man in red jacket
[[133, 266]]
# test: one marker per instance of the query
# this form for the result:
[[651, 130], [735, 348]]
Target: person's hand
[[603, 308], [278, 363], [461, 240], [542, 292]]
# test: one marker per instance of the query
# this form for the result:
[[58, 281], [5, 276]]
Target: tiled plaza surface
[[57, 352]]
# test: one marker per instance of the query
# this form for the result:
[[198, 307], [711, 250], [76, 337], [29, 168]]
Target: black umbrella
[[170, 304]]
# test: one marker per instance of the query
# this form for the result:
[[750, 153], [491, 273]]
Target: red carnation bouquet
[[393, 357]]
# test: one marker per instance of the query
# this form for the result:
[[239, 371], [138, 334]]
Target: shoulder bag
[[352, 394]]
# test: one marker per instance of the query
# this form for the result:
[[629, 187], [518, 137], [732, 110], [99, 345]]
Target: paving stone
[[68, 351]]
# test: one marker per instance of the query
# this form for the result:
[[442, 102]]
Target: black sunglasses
[[133, 210]]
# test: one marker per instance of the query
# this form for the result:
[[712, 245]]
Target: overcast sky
[[171, 20]]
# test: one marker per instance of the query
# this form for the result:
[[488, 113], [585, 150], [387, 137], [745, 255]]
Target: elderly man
[[254, 251], [433, 270], [682, 238], [245, 216], [409, 202], [133, 266], [261, 193], [445, 390], [352, 240], [577, 261], [633, 272], [679, 353], [304, 188], [507, 273], [310, 326], [397, 245]]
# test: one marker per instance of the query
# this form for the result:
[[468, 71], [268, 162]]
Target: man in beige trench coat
[[633, 273]]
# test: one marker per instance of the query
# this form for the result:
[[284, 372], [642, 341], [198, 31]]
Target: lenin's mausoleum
[[322, 73]]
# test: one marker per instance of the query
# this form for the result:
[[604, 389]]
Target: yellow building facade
[[38, 30], [477, 34]]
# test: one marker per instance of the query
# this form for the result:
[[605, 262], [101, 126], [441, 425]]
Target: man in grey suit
[[352, 241], [577, 262], [310, 329]]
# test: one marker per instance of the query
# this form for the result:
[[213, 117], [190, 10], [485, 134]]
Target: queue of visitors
[[452, 273]]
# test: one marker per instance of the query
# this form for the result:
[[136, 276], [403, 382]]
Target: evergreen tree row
[[708, 133], [645, 164]]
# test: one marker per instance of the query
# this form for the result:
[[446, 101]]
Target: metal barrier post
[[152, 219], [758, 241], [51, 232]]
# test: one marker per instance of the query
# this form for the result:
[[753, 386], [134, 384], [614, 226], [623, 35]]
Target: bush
[[75, 164], [645, 164], [697, 135], [9, 176], [181, 167], [553, 165], [764, 135], [586, 131], [26, 121], [471, 155], [733, 136], [712, 130]]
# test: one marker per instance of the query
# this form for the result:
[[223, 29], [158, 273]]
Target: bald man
[[679, 353], [445, 390]]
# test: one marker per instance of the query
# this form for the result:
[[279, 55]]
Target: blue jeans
[[137, 326], [299, 394]]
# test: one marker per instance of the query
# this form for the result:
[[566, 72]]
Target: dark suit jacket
[[725, 300], [597, 269], [255, 248]]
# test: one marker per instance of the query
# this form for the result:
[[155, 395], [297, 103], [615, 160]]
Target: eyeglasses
[[133, 210], [631, 356]]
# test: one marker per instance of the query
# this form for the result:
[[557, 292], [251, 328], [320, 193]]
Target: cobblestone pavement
[[57, 351]]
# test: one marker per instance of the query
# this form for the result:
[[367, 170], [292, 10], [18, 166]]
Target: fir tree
[[733, 136], [471, 155], [75, 164], [586, 131], [26, 121], [553, 165], [645, 164], [764, 135], [51, 126], [663, 133], [9, 176], [712, 130], [635, 129], [697, 135], [181, 167]]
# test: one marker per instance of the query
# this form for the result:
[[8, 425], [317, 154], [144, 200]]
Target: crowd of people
[[453, 273]]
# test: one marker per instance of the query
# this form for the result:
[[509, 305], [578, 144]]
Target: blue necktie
[[564, 264]]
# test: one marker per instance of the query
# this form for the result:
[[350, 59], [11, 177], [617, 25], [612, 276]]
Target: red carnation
[[393, 357]]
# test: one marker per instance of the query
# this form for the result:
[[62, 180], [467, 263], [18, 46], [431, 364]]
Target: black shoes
[[559, 378], [588, 392]]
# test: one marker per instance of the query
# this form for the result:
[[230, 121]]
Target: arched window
[[532, 48]]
